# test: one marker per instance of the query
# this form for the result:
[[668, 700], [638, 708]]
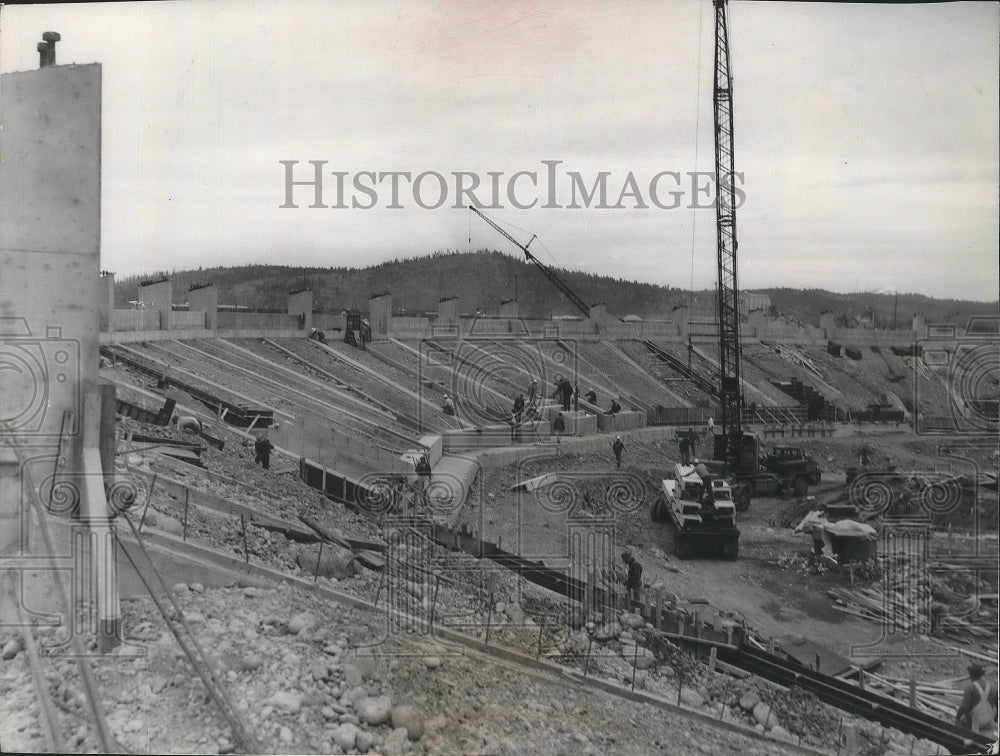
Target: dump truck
[[704, 519]]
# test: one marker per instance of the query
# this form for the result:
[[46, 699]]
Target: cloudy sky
[[867, 135]]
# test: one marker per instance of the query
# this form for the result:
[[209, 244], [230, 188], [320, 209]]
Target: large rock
[[352, 675], [748, 700], [762, 714], [300, 622], [374, 710], [632, 621], [364, 741], [396, 743], [345, 736], [335, 562], [285, 700], [11, 649], [605, 632], [410, 718], [692, 698]]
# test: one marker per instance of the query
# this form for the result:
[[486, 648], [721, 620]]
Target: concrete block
[[623, 421]]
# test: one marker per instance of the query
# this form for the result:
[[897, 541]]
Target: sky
[[866, 135]]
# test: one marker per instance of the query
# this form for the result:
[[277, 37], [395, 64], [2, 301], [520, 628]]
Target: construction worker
[[864, 455], [977, 710], [685, 449], [615, 407], [633, 578], [533, 393], [262, 451], [563, 392], [559, 427], [711, 426], [518, 407], [707, 492], [448, 407], [591, 396], [424, 474], [618, 447]]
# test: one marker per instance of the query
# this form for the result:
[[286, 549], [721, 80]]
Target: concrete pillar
[[157, 294], [301, 303], [106, 304], [52, 298], [509, 308], [919, 325], [680, 316], [205, 298], [448, 311], [757, 322], [380, 315], [827, 323]]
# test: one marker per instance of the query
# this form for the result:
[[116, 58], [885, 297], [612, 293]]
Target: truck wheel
[[731, 549], [682, 547], [743, 500], [800, 486]]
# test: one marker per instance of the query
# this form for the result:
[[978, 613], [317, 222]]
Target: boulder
[[632, 621], [374, 710], [396, 743], [335, 562], [285, 700], [11, 649], [300, 622], [410, 718], [345, 736], [692, 698], [748, 700], [762, 714]]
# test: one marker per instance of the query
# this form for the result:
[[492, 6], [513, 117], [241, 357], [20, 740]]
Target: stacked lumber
[[937, 699]]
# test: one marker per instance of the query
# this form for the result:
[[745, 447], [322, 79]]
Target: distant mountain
[[482, 279]]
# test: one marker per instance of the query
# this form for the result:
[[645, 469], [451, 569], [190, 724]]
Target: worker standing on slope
[[559, 427], [976, 712], [518, 407], [633, 578], [618, 447], [262, 450]]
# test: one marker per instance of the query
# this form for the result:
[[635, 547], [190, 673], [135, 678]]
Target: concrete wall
[[509, 309], [135, 320], [380, 315], [300, 304], [241, 320], [448, 311], [184, 319], [107, 300], [158, 296], [205, 299], [50, 304]]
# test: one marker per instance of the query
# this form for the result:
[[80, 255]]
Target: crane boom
[[731, 395], [558, 282]]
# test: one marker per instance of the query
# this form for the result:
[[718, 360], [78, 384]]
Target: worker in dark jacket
[[633, 578], [563, 392], [559, 427], [591, 396], [618, 446], [518, 407], [262, 451], [615, 407]]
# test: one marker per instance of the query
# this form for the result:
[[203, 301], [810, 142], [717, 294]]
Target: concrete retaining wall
[[180, 319], [623, 421], [259, 320], [131, 337], [135, 320]]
